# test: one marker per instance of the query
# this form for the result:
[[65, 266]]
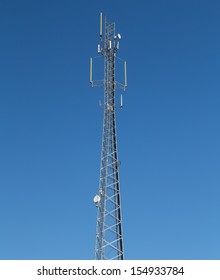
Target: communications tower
[[109, 238]]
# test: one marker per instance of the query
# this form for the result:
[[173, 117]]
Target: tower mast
[[109, 238]]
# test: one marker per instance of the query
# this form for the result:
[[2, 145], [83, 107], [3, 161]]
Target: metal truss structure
[[109, 238]]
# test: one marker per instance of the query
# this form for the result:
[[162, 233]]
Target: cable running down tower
[[109, 238]]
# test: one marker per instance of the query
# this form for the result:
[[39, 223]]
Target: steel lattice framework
[[109, 239]]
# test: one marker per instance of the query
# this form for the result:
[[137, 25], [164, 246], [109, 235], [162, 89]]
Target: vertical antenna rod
[[91, 71], [125, 74], [100, 33], [109, 239]]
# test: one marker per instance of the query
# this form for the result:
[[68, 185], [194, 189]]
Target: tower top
[[109, 44]]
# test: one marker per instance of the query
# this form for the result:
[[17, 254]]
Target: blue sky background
[[168, 131]]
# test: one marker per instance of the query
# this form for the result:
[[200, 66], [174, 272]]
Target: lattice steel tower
[[109, 239]]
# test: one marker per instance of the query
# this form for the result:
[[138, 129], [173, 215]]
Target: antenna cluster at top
[[108, 45]]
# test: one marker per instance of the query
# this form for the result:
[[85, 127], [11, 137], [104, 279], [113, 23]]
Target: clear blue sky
[[168, 131]]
